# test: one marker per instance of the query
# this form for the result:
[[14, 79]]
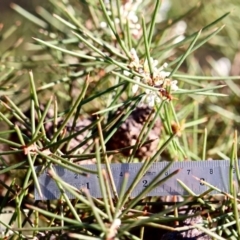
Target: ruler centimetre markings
[[214, 172]]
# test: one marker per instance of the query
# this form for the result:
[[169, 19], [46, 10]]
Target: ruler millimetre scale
[[216, 173]]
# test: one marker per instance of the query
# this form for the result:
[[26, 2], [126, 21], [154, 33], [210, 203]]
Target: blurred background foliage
[[226, 43]]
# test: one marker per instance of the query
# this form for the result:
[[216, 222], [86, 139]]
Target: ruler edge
[[162, 164]]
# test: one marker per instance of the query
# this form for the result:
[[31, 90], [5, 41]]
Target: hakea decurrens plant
[[158, 79]]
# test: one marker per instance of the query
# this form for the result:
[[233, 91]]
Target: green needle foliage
[[87, 60]]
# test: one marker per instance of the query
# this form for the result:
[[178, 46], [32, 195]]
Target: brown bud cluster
[[128, 133]]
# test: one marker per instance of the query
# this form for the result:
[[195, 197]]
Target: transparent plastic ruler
[[216, 173]]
